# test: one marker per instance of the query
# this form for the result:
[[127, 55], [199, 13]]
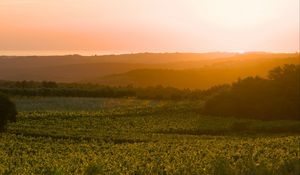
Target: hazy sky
[[149, 25]]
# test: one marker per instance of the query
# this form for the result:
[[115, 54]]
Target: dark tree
[[277, 97], [8, 111]]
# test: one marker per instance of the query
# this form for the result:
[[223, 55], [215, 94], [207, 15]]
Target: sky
[[117, 26]]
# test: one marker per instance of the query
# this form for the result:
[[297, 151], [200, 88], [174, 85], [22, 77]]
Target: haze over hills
[[73, 68], [181, 70]]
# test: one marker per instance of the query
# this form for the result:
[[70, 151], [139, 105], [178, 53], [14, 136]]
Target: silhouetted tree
[[277, 97], [8, 111]]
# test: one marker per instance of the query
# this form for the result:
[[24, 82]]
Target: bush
[[8, 111]]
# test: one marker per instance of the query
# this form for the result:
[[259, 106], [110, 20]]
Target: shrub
[[8, 111]]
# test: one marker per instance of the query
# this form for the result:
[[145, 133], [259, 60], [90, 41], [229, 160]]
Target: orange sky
[[89, 26]]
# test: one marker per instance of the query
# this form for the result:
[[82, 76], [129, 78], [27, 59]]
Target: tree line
[[274, 97], [49, 88]]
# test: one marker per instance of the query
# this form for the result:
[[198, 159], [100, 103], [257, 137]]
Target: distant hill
[[182, 70], [74, 68], [220, 72]]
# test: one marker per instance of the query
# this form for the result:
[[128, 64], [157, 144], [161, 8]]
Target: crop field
[[64, 135]]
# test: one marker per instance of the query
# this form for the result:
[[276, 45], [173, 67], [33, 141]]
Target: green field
[[60, 135]]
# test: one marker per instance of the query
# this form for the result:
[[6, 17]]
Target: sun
[[241, 51]]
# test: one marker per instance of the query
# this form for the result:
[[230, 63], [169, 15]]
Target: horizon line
[[107, 53]]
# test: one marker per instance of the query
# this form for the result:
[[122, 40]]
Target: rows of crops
[[143, 137]]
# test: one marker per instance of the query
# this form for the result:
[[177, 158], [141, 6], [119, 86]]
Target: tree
[[8, 111], [277, 97]]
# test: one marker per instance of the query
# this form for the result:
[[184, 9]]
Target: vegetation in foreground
[[142, 137]]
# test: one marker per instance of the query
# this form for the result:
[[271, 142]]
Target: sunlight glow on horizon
[[149, 26]]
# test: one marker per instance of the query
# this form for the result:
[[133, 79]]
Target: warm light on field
[[149, 87]]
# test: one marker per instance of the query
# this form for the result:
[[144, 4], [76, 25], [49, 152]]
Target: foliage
[[129, 136], [250, 167], [31, 88], [275, 98], [7, 111]]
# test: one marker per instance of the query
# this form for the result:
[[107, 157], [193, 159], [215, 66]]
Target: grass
[[128, 136]]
